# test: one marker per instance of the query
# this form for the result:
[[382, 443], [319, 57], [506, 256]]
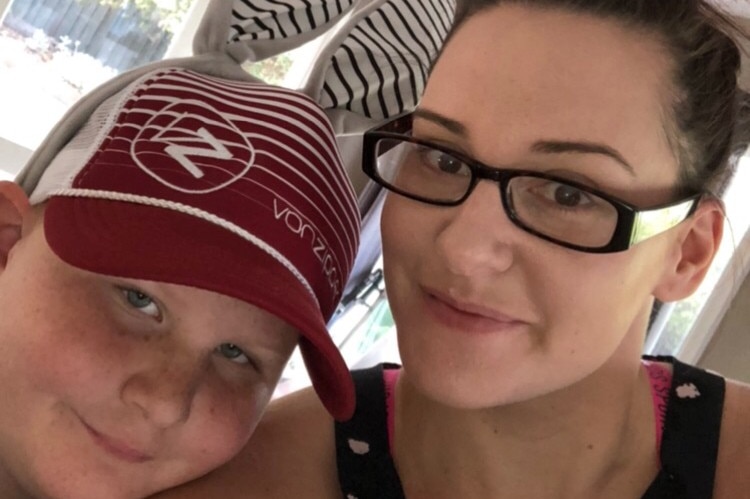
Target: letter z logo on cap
[[191, 148]]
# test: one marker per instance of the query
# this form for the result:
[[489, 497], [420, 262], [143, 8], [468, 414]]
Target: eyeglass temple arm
[[649, 223]]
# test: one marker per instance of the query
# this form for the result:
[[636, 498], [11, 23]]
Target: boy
[[158, 277]]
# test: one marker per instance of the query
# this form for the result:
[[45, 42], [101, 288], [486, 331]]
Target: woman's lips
[[467, 316], [116, 448]]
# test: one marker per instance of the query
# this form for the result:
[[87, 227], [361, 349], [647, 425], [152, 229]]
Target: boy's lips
[[117, 448]]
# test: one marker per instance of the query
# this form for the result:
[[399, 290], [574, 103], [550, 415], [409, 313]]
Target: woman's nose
[[477, 235]]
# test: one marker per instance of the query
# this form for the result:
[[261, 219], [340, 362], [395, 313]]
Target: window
[[684, 328], [55, 51], [52, 52]]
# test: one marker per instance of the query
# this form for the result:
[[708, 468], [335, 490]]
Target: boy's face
[[119, 388]]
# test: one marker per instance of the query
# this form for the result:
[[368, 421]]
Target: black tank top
[[689, 446]]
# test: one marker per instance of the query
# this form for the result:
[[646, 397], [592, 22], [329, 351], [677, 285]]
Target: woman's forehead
[[570, 58], [526, 73]]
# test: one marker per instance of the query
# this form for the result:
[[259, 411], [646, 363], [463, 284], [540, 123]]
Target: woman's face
[[119, 388], [488, 314]]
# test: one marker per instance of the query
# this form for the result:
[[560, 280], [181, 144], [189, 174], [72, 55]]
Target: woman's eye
[[232, 352], [565, 196], [442, 161], [448, 163], [569, 196], [142, 302]]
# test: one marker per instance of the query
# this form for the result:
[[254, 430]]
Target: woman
[[555, 182]]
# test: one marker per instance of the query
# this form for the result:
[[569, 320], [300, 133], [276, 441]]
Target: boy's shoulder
[[291, 454], [734, 448]]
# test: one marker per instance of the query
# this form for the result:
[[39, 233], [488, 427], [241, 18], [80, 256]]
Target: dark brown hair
[[706, 68]]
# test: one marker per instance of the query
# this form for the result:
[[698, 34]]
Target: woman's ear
[[14, 205], [698, 244]]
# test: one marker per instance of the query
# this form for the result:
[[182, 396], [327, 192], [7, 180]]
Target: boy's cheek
[[72, 359], [222, 421]]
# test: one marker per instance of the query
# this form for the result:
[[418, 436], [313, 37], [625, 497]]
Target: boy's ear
[[698, 245], [14, 205]]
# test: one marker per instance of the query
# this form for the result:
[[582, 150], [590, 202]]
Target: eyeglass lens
[[553, 208]]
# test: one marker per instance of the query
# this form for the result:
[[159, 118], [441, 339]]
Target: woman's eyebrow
[[542, 146], [449, 124], [558, 147]]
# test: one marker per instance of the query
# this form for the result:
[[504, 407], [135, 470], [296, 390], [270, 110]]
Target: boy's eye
[[232, 352], [142, 302]]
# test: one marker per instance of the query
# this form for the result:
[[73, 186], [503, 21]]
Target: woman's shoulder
[[290, 455], [734, 447]]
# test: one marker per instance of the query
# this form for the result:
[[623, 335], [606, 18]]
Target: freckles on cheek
[[227, 423]]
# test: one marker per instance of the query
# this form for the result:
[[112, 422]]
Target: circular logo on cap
[[188, 146]]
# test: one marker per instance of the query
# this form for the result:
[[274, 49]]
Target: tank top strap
[[363, 457], [690, 443]]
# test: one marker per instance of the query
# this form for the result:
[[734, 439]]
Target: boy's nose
[[164, 390]]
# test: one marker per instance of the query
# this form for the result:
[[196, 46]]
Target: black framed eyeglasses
[[558, 210]]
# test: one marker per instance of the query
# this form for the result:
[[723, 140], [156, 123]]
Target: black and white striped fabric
[[379, 68], [268, 19]]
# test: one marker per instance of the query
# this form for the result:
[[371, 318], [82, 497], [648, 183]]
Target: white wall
[[12, 158]]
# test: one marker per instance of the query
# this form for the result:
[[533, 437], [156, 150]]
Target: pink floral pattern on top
[[660, 377]]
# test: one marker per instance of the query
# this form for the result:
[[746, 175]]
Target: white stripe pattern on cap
[[341, 207], [295, 142], [271, 147]]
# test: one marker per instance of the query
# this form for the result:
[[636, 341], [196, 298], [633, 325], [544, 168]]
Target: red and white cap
[[229, 186]]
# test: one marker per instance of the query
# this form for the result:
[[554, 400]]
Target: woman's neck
[[589, 440]]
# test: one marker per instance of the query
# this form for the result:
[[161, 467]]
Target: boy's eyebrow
[[541, 146]]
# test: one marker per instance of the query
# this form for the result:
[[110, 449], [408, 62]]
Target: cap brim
[[143, 242]]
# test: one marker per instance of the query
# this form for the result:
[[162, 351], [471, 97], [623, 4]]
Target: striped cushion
[[380, 67]]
